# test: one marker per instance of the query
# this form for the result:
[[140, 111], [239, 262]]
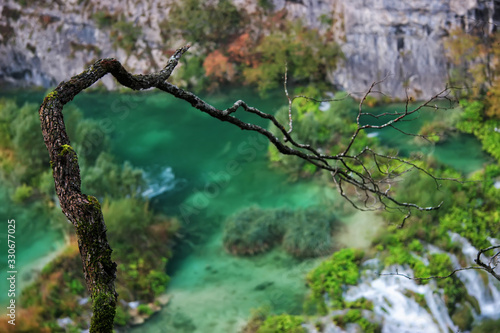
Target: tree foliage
[[473, 55], [204, 23], [308, 55], [282, 324], [331, 276]]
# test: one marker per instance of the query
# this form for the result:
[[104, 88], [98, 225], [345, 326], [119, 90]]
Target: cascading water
[[393, 301], [486, 290], [163, 182]]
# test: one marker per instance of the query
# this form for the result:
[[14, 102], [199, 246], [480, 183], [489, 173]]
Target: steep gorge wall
[[403, 39], [47, 42]]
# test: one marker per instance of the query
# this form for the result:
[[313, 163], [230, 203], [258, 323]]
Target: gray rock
[[46, 44], [403, 39]]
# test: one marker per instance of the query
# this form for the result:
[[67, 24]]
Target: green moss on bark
[[104, 311], [50, 96], [66, 149], [94, 202]]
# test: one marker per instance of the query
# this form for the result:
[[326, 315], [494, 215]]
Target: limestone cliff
[[400, 38], [44, 42]]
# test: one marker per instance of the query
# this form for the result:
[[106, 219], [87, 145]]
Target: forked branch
[[343, 169], [85, 212], [493, 262]]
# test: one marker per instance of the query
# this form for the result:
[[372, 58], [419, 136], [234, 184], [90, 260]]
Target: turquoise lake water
[[215, 170]]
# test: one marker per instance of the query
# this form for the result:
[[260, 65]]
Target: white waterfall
[[392, 300], [485, 290]]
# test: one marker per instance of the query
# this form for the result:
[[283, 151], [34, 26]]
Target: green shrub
[[191, 73], [91, 139], [352, 316], [158, 282], [126, 218], [355, 316], [472, 122], [361, 303], [125, 35], [416, 246], [309, 233], [103, 19], [8, 111], [307, 54], [252, 231], [267, 5], [487, 326], [27, 139], [332, 274], [109, 179], [454, 290], [144, 309], [282, 324], [398, 255], [303, 232], [76, 287], [204, 23], [22, 193], [463, 318], [122, 316]]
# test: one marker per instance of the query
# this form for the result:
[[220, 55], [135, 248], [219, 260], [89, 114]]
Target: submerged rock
[[263, 285]]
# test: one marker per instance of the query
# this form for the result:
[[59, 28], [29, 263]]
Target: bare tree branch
[[493, 261], [363, 171], [345, 173], [433, 277], [290, 101]]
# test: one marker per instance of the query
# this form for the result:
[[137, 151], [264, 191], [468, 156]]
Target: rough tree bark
[[84, 210]]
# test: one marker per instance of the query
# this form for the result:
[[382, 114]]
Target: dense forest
[[172, 184]]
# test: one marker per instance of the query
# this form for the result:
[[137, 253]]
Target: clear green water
[[35, 243], [461, 151], [221, 169], [218, 170]]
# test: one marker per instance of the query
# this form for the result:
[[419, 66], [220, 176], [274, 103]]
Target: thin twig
[[433, 277]]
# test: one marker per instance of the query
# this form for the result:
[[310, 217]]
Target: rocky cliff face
[[402, 39], [43, 42]]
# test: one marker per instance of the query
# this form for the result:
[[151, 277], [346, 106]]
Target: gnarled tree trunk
[[84, 211]]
